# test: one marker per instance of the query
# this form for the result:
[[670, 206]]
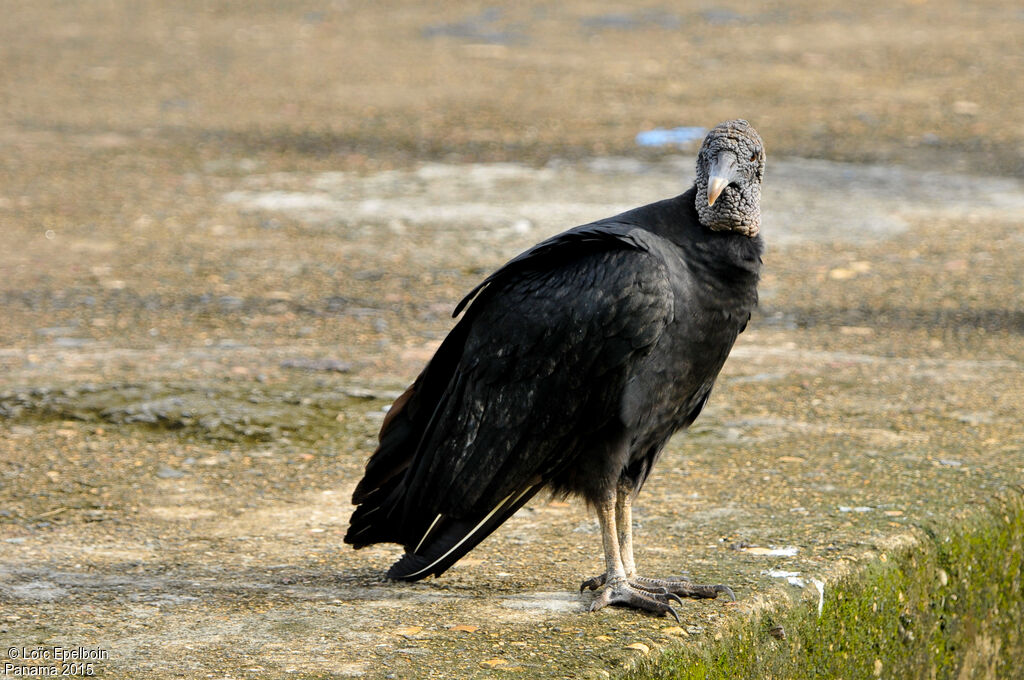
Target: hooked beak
[[722, 173]]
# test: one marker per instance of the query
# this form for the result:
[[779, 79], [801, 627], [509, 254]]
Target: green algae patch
[[218, 410], [949, 603]]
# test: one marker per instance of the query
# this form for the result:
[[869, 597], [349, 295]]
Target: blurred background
[[929, 83], [125, 125], [231, 232]]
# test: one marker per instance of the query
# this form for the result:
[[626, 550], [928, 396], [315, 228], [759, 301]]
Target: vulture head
[[730, 167]]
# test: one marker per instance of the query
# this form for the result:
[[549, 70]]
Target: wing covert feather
[[545, 363]]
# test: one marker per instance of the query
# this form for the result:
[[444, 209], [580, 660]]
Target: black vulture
[[572, 366]]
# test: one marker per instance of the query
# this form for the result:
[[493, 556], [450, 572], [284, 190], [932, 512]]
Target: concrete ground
[[231, 234]]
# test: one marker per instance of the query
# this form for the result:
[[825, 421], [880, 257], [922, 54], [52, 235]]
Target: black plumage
[[570, 369]]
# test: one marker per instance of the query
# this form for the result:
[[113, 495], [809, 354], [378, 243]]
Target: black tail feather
[[456, 538], [370, 521]]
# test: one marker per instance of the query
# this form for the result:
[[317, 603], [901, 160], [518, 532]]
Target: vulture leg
[[622, 585], [618, 590], [624, 524]]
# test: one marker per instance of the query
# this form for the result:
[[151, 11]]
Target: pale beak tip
[[715, 188]]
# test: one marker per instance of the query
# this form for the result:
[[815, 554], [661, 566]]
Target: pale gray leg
[[618, 590], [621, 584], [624, 523]]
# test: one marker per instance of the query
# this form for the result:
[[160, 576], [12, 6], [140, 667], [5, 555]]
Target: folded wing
[[528, 384]]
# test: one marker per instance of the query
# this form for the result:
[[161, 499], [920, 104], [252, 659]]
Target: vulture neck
[[730, 249], [727, 262]]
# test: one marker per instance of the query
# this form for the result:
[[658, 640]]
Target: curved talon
[[725, 589], [622, 593], [601, 601], [593, 583], [659, 593]]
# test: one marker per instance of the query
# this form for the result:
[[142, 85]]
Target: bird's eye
[[753, 156]]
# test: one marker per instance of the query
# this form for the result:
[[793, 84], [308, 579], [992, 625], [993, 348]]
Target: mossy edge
[[948, 603]]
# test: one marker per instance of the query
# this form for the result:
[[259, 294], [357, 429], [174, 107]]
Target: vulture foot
[[623, 593], [675, 588], [683, 587]]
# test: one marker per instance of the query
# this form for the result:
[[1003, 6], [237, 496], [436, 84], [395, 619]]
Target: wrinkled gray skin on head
[[738, 207]]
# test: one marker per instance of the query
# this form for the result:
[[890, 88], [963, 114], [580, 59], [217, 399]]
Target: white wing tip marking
[[429, 529], [465, 538]]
